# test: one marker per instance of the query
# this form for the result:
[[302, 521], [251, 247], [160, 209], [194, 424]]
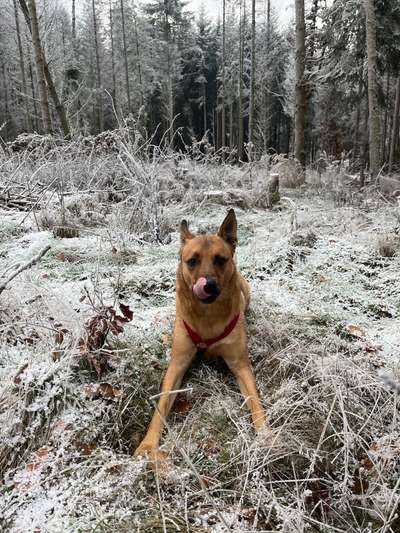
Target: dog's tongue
[[198, 289]]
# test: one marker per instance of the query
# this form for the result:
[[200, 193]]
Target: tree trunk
[[39, 62], [385, 124], [240, 89], [128, 91], [60, 109], [204, 109], [267, 128], [395, 125], [139, 62], [301, 93], [113, 91], [374, 126], [33, 93], [356, 141], [74, 28], [100, 118], [223, 104], [252, 77], [28, 122]]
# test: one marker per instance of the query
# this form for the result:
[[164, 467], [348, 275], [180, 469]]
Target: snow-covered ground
[[324, 335]]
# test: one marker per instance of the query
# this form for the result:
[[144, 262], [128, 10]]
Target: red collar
[[201, 343]]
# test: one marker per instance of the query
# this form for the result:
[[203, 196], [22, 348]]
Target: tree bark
[[395, 126], [28, 121], [73, 27], [100, 117], [39, 63], [223, 104], [240, 89], [252, 77], [374, 119], [385, 123], [60, 109], [128, 91], [301, 93], [113, 92]]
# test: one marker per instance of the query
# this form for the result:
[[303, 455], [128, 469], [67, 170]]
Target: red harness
[[201, 343]]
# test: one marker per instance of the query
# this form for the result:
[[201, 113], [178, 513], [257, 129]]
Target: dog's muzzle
[[206, 290]]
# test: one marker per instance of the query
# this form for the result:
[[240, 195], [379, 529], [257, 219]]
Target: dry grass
[[323, 338]]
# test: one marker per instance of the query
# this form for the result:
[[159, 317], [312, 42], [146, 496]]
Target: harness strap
[[201, 343]]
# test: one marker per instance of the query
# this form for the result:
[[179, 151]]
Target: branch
[[27, 265]]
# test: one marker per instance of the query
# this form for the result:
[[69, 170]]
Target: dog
[[211, 300]]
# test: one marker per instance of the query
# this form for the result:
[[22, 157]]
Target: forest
[[123, 124], [232, 83]]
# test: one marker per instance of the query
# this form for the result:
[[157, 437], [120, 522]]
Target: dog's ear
[[185, 233], [228, 229]]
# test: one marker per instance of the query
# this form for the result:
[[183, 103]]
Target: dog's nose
[[211, 287]]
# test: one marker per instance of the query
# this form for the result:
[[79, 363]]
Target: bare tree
[[22, 68], [301, 93], [240, 88], [374, 119], [39, 63], [100, 117], [60, 109], [223, 84], [395, 125], [128, 91], [252, 76], [113, 93]]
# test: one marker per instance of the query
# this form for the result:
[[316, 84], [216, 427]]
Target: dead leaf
[[106, 391], [355, 331], [18, 376], [248, 513], [126, 311], [182, 404], [39, 457], [166, 340]]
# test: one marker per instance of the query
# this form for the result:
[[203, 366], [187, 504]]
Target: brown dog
[[211, 298]]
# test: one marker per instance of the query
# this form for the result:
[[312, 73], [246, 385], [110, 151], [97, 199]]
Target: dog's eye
[[220, 261], [192, 262]]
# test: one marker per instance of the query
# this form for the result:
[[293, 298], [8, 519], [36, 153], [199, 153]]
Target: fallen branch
[[27, 265]]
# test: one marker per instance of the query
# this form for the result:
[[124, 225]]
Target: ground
[[324, 338]]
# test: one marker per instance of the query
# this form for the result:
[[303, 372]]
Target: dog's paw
[[267, 437], [157, 459]]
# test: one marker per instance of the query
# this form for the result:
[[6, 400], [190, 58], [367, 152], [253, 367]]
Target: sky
[[283, 8]]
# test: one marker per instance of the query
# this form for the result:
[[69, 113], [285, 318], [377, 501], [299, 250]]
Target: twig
[[27, 265]]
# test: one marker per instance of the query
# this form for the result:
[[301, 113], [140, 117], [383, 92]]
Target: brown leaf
[[102, 390], [166, 340], [126, 311], [59, 337], [38, 459], [182, 404], [18, 376], [248, 513], [355, 331], [85, 448]]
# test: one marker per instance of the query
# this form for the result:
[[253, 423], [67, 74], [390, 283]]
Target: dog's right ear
[[185, 233]]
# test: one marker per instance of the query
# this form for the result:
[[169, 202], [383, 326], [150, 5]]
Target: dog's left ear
[[228, 229], [185, 233]]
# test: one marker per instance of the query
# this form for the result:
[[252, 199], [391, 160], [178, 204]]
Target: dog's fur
[[214, 258]]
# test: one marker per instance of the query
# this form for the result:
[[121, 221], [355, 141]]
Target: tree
[[374, 118], [252, 75], [301, 93], [128, 92], [39, 63]]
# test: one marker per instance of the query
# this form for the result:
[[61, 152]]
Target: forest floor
[[324, 339]]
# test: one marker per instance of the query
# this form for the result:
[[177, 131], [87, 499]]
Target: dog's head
[[207, 260]]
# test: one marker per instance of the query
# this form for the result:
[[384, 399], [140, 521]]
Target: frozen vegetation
[[324, 337]]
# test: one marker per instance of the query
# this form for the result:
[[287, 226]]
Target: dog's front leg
[[241, 369], [180, 362]]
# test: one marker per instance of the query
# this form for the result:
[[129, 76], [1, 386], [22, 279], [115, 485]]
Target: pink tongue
[[198, 289]]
